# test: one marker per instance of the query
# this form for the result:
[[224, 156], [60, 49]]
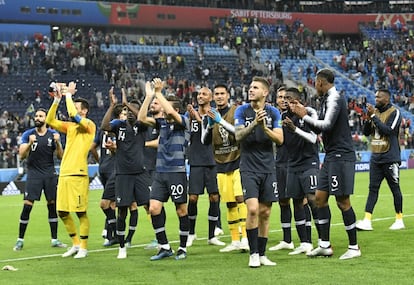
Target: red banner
[[172, 17]]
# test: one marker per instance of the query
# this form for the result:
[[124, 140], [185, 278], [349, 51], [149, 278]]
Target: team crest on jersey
[[49, 141], [135, 128]]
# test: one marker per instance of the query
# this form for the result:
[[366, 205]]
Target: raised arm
[[169, 110], [143, 111], [105, 124], [127, 104], [85, 123], [193, 113], [51, 114]]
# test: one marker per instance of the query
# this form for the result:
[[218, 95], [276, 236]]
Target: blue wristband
[[77, 118]]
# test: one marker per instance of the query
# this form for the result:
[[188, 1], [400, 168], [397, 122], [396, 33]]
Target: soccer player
[[151, 146], [104, 140], [73, 187], [281, 161], [302, 169], [203, 171], [106, 167], [258, 125], [132, 181], [170, 179], [383, 125], [227, 157], [338, 171], [38, 146]]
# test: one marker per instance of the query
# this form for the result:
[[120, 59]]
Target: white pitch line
[[171, 242], [60, 255], [89, 251]]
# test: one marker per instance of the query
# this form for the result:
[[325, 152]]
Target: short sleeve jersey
[[172, 145], [150, 153], [257, 147], [130, 143], [106, 159], [200, 154], [40, 161]]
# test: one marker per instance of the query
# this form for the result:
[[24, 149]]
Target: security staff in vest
[[383, 125]]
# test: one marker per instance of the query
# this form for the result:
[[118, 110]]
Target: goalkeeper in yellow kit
[[73, 185]]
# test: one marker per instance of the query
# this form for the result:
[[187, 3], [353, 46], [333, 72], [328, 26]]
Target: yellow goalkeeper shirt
[[79, 138]]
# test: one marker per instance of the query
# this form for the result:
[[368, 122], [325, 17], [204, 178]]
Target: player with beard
[[170, 179], [132, 181], [38, 146], [203, 171], [151, 146], [383, 125]]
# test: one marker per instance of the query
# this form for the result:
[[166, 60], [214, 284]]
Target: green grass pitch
[[386, 255]]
